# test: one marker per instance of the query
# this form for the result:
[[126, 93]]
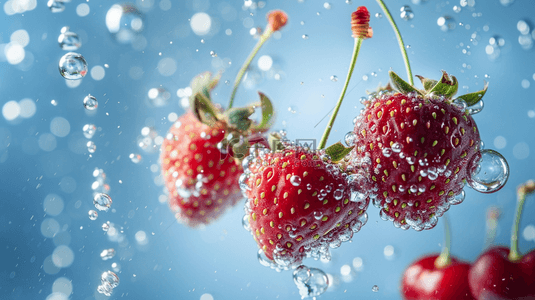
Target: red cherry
[[424, 280], [494, 276]]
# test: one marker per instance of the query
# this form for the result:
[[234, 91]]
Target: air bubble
[[106, 226], [305, 36], [375, 288], [107, 254], [213, 54], [311, 282], [111, 278], [135, 158], [489, 171], [56, 6], [350, 139], [102, 201], [89, 130], [93, 215], [446, 23], [406, 13], [91, 147], [476, 108], [90, 102], [72, 66], [334, 78], [457, 199], [387, 152], [69, 41], [295, 180], [396, 147]]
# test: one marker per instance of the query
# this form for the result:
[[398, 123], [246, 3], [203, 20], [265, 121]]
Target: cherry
[[437, 277], [501, 273]]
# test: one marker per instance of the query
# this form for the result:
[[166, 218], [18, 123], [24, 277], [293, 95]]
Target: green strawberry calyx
[[446, 86], [239, 125]]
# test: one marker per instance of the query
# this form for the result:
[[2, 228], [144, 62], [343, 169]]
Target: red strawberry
[[201, 155], [417, 146], [299, 204]]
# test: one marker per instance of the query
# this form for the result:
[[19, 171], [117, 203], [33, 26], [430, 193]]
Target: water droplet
[[375, 288], [334, 78], [350, 139], [102, 201], [135, 158], [396, 147], [474, 109], [446, 23], [311, 282], [125, 23], [106, 226], [159, 96], [305, 37], [488, 172], [107, 254], [406, 13], [56, 6], [295, 180], [93, 215], [457, 9], [387, 152], [72, 66], [91, 147], [459, 198], [378, 15], [89, 130], [90, 102], [69, 41], [213, 54], [111, 278], [291, 109]]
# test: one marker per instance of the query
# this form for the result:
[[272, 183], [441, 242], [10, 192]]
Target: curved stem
[[444, 259], [514, 253], [400, 40], [356, 50], [263, 38]]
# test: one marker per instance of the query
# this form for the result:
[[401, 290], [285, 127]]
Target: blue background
[[183, 263]]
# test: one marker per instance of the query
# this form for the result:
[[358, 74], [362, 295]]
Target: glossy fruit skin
[[424, 281], [494, 276], [208, 178], [417, 151], [288, 220]]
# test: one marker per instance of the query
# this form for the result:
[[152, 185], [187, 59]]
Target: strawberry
[[299, 204], [201, 155], [417, 146]]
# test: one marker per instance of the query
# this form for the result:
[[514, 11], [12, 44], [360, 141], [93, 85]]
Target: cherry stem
[[400, 40], [356, 50], [263, 38], [444, 259], [514, 252]]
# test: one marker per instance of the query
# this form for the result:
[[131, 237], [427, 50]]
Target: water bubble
[[396, 147], [350, 138], [378, 15], [107, 254], [56, 6], [106, 226], [311, 282], [111, 278], [457, 199], [327, 5], [305, 36], [213, 54], [375, 288], [476, 108], [105, 289], [93, 215], [91, 147], [89, 130], [102, 201], [489, 171], [295, 180], [90, 102], [446, 23], [406, 13], [387, 152], [124, 22], [69, 41], [457, 9], [159, 96], [72, 66], [334, 78]]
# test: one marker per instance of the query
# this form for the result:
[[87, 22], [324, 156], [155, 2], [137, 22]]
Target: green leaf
[[203, 83], [401, 85], [240, 149], [427, 83], [239, 117], [267, 114], [473, 98], [338, 151], [446, 86], [204, 110]]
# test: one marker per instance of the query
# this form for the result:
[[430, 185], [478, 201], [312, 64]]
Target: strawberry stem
[[523, 190], [400, 40], [263, 38], [356, 50], [444, 259]]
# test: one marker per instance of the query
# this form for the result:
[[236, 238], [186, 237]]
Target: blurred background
[[57, 150]]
